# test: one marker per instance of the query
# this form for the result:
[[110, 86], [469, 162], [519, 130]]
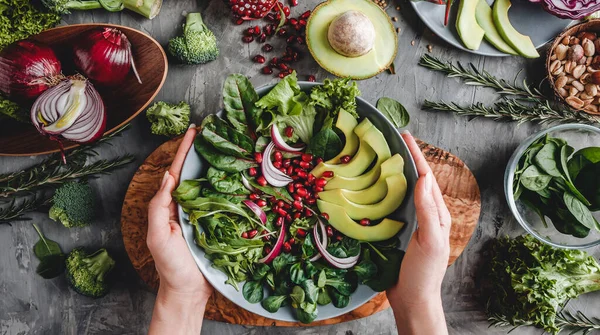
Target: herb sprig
[[565, 320]]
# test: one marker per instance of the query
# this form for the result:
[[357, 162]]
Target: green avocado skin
[[521, 43], [469, 31], [483, 14]]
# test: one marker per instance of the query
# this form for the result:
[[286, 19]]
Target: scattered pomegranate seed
[[307, 157], [297, 197], [287, 247], [312, 78], [249, 32], [289, 131], [321, 182], [302, 22], [302, 174], [294, 3], [252, 233], [279, 221], [274, 61], [292, 240], [318, 189], [339, 237], [245, 234], [301, 192], [267, 249], [297, 205], [298, 185], [290, 170], [256, 30], [308, 213], [254, 196], [267, 48], [311, 178], [280, 203], [261, 202], [325, 216], [282, 74], [293, 22], [297, 215], [328, 174], [281, 212], [262, 38], [259, 59], [278, 156], [291, 39], [282, 32], [252, 172], [345, 159], [305, 15], [311, 201], [258, 157], [329, 231], [288, 218], [300, 40], [271, 16], [319, 160], [287, 59], [277, 164], [304, 165], [261, 181], [301, 232], [365, 222], [290, 188], [286, 11], [267, 70], [239, 21], [247, 39], [286, 163]]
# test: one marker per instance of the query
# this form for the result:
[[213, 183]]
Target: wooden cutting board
[[458, 185]]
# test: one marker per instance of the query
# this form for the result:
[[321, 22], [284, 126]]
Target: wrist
[[169, 295], [422, 317]]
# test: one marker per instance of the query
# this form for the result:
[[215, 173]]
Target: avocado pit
[[351, 34]]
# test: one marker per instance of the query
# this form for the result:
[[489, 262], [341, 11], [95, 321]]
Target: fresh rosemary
[[17, 207], [565, 321], [520, 103]]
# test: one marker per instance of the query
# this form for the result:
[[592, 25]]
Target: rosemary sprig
[[565, 321], [472, 76], [18, 207]]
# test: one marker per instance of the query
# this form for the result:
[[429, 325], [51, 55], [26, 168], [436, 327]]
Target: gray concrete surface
[[32, 305]]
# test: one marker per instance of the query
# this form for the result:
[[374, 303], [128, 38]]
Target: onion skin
[[256, 210], [570, 9], [280, 142], [27, 69], [104, 56], [276, 248]]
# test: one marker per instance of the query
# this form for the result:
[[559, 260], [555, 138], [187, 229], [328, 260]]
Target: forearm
[[420, 319], [177, 314]]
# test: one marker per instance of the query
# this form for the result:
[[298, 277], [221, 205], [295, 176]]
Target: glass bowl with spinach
[[552, 186]]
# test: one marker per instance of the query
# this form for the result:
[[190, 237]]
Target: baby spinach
[[534, 180], [260, 271], [341, 285], [388, 268], [308, 248], [297, 274], [588, 181], [239, 100], [188, 190], [322, 280], [45, 247], [546, 160], [226, 139], [298, 295], [325, 144], [579, 211], [311, 290], [307, 313], [282, 261], [339, 300], [310, 269], [230, 183], [52, 259], [323, 297], [394, 112], [365, 270], [253, 291], [219, 160], [273, 303]]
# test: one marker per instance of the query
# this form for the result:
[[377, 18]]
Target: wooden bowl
[[591, 26], [123, 102]]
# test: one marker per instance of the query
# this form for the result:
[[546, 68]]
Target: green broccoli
[[197, 45], [73, 205], [86, 273], [13, 110], [147, 8], [169, 119]]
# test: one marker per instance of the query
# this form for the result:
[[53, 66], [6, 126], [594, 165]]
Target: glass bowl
[[578, 136]]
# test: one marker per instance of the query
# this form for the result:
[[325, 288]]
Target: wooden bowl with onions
[[123, 100], [573, 67]]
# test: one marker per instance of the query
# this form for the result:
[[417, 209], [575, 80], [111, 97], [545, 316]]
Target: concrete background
[[32, 305]]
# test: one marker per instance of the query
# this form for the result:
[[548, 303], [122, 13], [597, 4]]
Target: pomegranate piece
[[259, 59], [345, 159], [294, 3], [282, 32], [251, 9], [328, 174], [262, 38], [289, 131], [267, 48], [365, 222], [256, 30], [313, 79], [267, 70], [247, 39], [291, 39], [305, 15]]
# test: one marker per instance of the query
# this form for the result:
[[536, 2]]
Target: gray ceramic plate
[[528, 18], [195, 166]]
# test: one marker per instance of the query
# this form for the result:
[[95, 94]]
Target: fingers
[[422, 166], [427, 210], [184, 147], [163, 199], [444, 214]]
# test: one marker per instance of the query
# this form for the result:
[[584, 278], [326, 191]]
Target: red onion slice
[[256, 210], [340, 263], [321, 228], [280, 142], [276, 248], [247, 184], [272, 175]]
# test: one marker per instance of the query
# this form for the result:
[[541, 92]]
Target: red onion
[[247, 184], [280, 142], [323, 241], [256, 210], [72, 110], [27, 69], [276, 248], [340, 263], [104, 56], [272, 175]]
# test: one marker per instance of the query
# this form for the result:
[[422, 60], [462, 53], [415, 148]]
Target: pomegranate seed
[[282, 169], [267, 48], [298, 185], [259, 59], [311, 178], [297, 215], [287, 206], [286, 11], [252, 233], [280, 203], [252, 172], [292, 240], [249, 32], [271, 16], [302, 22], [289, 131], [300, 40], [267, 70], [247, 39], [305, 15], [274, 61], [282, 74], [290, 71], [282, 67], [268, 30], [287, 163], [301, 232], [279, 221], [308, 213], [256, 30], [290, 170], [262, 38], [301, 192], [311, 201], [321, 182], [339, 237], [288, 218], [319, 160], [281, 212], [267, 249], [345, 159], [307, 157], [297, 205], [365, 222], [318, 189], [328, 174], [278, 156], [302, 174], [325, 216], [297, 197], [287, 59], [261, 181], [239, 21], [290, 188], [282, 32], [277, 164], [287, 247], [291, 39], [245, 234], [293, 22], [304, 165], [329, 231], [248, 12], [254, 196], [261, 202], [258, 157]]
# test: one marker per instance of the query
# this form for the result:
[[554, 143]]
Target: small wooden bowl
[[123, 102], [591, 26]]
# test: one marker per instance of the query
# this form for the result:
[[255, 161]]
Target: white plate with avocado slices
[[527, 18]]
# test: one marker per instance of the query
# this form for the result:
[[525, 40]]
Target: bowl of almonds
[[573, 65]]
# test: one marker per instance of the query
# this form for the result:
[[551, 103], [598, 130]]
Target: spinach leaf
[[347, 247], [45, 247], [226, 139], [534, 180], [323, 297], [188, 190], [234, 198], [308, 248], [273, 303], [260, 271], [588, 180], [270, 280], [325, 144], [341, 285], [282, 261], [298, 295], [219, 160], [546, 160], [283, 286], [393, 111], [253, 291], [579, 211], [310, 270], [311, 290], [365, 270], [230, 183], [339, 300], [297, 273], [51, 266], [566, 223], [322, 279], [582, 158], [387, 269], [239, 100], [307, 313]]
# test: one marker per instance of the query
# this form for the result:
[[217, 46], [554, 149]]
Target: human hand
[[426, 259], [178, 272]]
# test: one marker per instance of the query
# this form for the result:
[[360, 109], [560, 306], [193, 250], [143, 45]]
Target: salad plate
[[528, 18], [195, 167]]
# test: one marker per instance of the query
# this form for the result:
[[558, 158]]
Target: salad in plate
[[294, 205]]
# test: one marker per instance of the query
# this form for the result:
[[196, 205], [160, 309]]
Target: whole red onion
[[104, 56], [27, 69]]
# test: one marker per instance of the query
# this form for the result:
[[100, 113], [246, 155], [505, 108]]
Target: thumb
[[427, 211], [163, 198]]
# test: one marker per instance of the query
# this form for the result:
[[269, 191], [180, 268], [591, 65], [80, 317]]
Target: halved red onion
[[340, 263], [280, 142], [319, 227], [256, 210], [272, 175], [276, 248], [247, 184]]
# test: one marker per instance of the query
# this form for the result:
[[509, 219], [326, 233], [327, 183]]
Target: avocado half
[[358, 56]]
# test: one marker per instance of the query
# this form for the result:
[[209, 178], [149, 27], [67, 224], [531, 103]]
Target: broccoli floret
[[86, 273], [197, 45], [147, 8], [13, 110], [169, 119], [73, 205]]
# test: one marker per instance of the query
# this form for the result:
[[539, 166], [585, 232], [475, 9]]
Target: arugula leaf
[[45, 247], [394, 112], [239, 99], [325, 144], [219, 160], [226, 139]]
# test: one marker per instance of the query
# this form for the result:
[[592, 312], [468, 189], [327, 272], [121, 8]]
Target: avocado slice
[[469, 31], [346, 124], [521, 43], [366, 22], [338, 218], [376, 192], [483, 14]]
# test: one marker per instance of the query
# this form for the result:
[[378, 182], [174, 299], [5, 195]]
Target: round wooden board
[[458, 185]]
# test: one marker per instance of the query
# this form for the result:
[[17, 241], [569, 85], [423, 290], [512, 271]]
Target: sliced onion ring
[[280, 142], [247, 184], [272, 175], [340, 263], [256, 210], [276, 248], [319, 226]]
